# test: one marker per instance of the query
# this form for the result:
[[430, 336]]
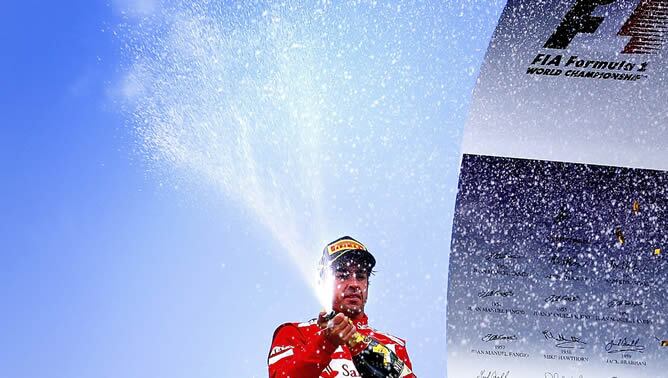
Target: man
[[321, 348]]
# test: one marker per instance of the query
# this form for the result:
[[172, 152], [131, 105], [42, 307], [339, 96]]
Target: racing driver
[[321, 348]]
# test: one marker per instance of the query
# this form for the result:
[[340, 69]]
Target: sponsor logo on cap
[[345, 244]]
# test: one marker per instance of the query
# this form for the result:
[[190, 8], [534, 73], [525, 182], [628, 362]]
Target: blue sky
[[114, 264]]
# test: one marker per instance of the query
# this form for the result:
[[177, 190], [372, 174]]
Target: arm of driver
[[402, 353], [295, 355]]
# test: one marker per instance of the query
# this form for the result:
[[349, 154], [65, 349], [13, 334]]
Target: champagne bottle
[[375, 360]]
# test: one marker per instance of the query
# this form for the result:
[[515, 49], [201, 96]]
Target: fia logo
[[646, 26]]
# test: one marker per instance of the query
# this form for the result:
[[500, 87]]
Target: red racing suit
[[300, 350]]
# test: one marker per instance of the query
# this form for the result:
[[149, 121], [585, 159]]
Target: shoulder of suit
[[312, 322], [300, 326]]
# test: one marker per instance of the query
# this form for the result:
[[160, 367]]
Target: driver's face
[[351, 284]]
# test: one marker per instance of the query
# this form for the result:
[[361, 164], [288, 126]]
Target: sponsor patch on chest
[[340, 367]]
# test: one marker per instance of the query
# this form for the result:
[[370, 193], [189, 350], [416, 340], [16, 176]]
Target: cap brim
[[355, 253]]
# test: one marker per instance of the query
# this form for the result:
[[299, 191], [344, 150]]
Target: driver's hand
[[338, 330]]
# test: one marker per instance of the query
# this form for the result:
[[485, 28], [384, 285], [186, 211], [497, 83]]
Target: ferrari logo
[[382, 350]]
